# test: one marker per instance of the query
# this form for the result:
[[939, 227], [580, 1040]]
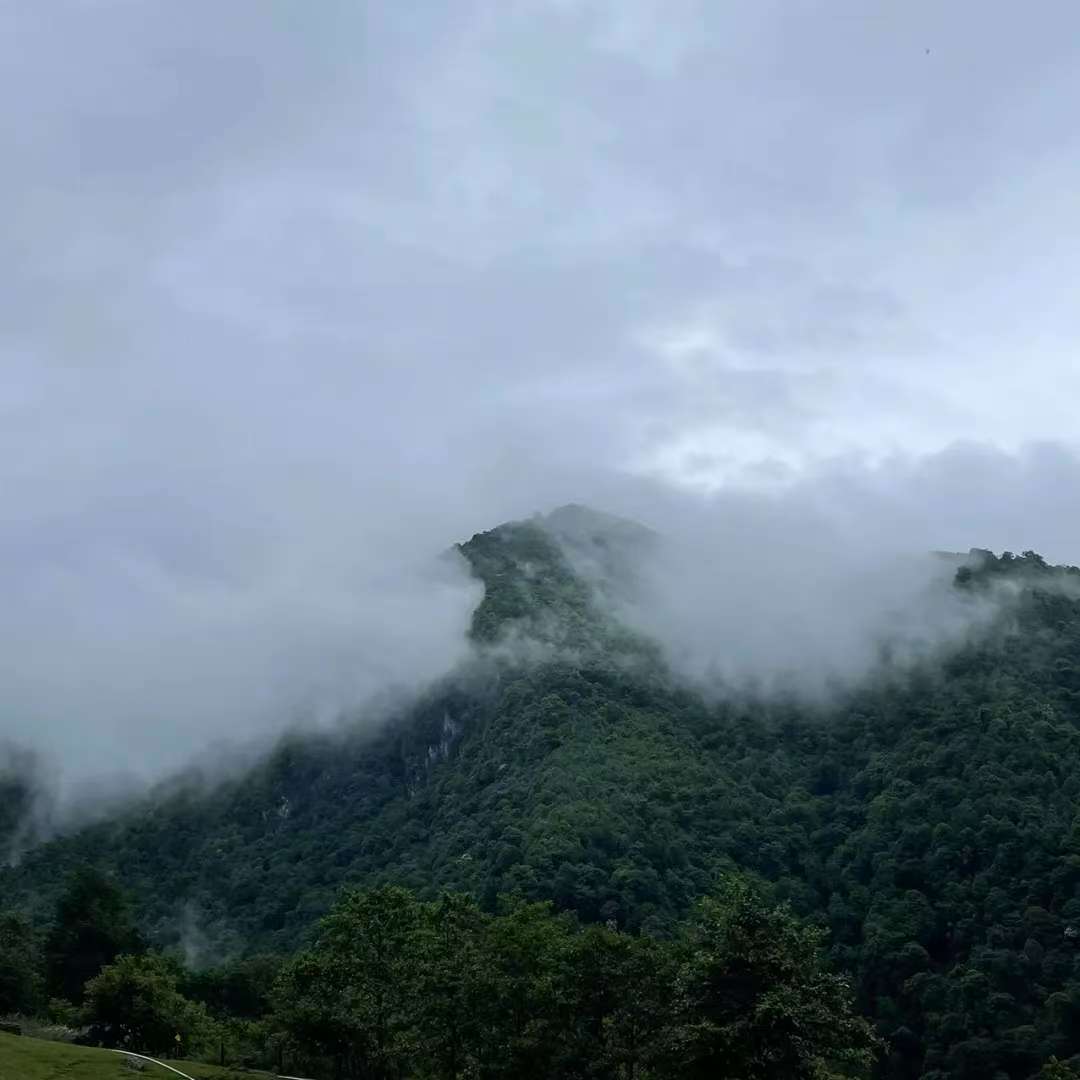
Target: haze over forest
[[294, 300]]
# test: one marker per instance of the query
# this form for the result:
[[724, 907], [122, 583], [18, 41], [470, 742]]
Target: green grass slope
[[22, 1058]]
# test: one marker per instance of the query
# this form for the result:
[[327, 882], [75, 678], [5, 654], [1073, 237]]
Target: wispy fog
[[822, 584], [293, 300]]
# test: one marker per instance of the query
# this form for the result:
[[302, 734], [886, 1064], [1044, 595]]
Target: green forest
[[591, 870], [391, 986]]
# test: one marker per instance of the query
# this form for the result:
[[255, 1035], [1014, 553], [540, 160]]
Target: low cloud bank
[[813, 588]]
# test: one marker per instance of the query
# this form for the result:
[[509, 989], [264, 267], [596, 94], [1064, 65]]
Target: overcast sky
[[294, 294]]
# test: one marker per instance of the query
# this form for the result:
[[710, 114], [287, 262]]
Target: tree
[[20, 966], [351, 995], [621, 990], [1057, 1070], [93, 927], [393, 987], [453, 986], [240, 987], [531, 1001], [135, 1002], [758, 1002], [238, 997]]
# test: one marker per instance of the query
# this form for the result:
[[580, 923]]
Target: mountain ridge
[[930, 823]]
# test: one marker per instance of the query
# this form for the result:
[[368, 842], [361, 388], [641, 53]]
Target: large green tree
[[451, 977], [237, 994], [135, 1002], [352, 995], [93, 926], [757, 999], [21, 982], [623, 1008]]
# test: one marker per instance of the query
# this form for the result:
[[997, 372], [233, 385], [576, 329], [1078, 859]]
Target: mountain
[[930, 820]]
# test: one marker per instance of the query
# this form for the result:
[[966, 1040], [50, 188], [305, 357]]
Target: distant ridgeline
[[930, 823]]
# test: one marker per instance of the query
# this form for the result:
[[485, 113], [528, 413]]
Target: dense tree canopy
[[393, 987], [21, 981], [758, 1000], [136, 1002], [93, 926]]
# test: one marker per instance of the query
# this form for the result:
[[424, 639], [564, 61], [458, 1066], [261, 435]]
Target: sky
[[296, 295]]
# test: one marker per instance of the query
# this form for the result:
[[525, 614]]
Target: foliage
[[21, 984], [759, 1000], [135, 1003], [236, 995], [351, 997], [1057, 1070], [93, 926], [394, 987], [238, 988]]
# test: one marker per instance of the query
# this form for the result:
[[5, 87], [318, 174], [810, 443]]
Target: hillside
[[22, 1058], [929, 821]]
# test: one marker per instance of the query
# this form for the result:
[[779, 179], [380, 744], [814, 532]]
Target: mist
[[776, 617], [126, 668], [842, 577], [291, 306]]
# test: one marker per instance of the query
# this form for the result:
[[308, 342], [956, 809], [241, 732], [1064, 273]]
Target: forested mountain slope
[[929, 820]]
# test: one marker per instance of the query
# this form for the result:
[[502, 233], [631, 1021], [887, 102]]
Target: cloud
[[807, 589], [128, 652], [292, 302]]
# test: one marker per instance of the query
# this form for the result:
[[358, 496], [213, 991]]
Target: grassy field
[[33, 1059]]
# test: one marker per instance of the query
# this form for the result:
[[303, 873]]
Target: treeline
[[393, 987], [90, 976]]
